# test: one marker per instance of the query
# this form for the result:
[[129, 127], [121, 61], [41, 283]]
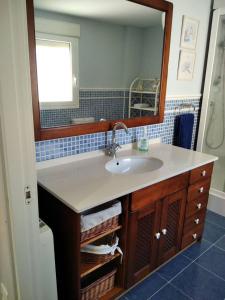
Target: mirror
[[97, 62]]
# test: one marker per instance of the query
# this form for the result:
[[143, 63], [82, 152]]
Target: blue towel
[[183, 130]]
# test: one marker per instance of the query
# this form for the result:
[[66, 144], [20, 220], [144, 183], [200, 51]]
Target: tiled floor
[[198, 273]]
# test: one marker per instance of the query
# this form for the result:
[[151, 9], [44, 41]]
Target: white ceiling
[[115, 11]]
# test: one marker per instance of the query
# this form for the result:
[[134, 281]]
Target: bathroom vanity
[[163, 212]]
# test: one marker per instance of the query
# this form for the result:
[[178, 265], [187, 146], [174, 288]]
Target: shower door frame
[[208, 79]]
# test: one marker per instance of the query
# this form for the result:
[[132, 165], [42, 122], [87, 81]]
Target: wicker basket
[[101, 228], [99, 288], [99, 258]]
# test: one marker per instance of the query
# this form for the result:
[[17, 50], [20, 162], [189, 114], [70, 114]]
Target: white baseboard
[[217, 202]]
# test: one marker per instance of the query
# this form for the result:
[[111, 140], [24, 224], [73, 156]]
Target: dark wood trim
[[33, 69], [72, 130]]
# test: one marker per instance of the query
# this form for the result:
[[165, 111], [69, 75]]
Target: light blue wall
[[111, 56], [152, 52], [133, 45]]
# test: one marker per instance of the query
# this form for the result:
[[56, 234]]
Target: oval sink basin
[[133, 164]]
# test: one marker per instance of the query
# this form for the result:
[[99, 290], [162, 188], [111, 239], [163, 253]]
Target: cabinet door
[[142, 243], [173, 209]]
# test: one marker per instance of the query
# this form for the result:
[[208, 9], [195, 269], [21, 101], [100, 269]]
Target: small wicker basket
[[99, 258], [99, 229], [99, 288]]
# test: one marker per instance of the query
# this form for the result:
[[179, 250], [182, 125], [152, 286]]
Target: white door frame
[[17, 144], [209, 72]]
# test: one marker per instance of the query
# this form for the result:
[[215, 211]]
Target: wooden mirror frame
[[72, 130]]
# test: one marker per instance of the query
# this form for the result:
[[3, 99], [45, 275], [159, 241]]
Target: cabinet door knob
[[199, 205], [164, 231], [204, 173], [195, 236], [201, 190], [197, 221], [157, 235]]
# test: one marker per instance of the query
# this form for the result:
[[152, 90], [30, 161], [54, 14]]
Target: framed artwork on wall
[[189, 33], [186, 65]]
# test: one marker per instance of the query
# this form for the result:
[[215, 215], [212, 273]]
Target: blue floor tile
[[212, 232], [173, 267], [221, 243], [199, 284], [170, 293], [146, 288], [197, 249], [215, 218], [214, 261]]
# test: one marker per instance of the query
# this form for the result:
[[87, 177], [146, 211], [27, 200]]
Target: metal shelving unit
[[148, 86]]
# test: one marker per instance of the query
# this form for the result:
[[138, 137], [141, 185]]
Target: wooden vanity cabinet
[[155, 230], [197, 200], [143, 224], [164, 219], [156, 223]]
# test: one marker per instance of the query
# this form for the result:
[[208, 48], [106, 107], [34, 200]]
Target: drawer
[[198, 189], [196, 205], [146, 196], [192, 222], [192, 236], [201, 173]]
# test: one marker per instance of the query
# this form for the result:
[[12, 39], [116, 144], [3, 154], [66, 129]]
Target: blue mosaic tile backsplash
[[99, 104], [62, 147]]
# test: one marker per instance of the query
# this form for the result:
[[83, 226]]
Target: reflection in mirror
[[97, 60]]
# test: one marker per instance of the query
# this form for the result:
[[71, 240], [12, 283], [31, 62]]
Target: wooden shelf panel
[[115, 292], [99, 236], [87, 268]]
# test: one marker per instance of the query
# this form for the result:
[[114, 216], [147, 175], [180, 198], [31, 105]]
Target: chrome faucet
[[111, 149]]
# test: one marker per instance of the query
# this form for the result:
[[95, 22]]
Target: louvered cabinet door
[[173, 209], [142, 244]]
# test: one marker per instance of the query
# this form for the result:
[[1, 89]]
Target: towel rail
[[185, 107]]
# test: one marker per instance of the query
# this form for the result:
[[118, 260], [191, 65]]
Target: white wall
[[218, 4], [198, 9], [6, 256]]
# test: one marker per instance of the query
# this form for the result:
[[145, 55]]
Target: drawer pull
[[201, 190], [197, 221], [199, 205], [157, 235], [195, 236], [164, 231], [203, 173]]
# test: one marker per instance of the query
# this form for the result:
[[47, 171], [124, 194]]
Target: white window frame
[[74, 42], [62, 30]]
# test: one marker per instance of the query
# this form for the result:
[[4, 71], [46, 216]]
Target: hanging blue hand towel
[[183, 130]]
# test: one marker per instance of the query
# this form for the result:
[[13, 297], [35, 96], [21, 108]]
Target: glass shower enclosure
[[211, 138]]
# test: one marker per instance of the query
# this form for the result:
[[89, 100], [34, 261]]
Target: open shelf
[[87, 268], [116, 291], [143, 92], [84, 243], [144, 108]]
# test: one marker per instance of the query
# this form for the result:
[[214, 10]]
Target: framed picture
[[186, 65], [189, 33]]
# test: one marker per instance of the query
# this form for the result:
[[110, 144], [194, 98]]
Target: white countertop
[[85, 183]]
